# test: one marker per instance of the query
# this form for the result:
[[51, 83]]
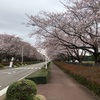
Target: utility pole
[[22, 55], [46, 61]]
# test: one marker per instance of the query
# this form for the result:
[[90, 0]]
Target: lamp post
[[43, 52], [46, 61], [22, 60], [22, 55]]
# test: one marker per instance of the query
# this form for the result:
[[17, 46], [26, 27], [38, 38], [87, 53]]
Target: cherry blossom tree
[[11, 46], [55, 48], [87, 15], [76, 28], [5, 44]]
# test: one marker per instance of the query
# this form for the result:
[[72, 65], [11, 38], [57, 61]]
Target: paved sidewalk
[[62, 87]]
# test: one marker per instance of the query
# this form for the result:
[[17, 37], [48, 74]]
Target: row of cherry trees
[[71, 33], [12, 46]]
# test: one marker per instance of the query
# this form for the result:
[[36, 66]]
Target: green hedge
[[41, 76], [1, 66]]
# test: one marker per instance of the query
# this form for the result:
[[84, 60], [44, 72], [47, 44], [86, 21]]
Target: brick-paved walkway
[[62, 87]]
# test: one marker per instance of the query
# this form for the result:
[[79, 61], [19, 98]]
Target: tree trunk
[[97, 59]]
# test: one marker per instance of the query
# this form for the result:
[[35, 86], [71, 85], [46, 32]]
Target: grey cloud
[[12, 14]]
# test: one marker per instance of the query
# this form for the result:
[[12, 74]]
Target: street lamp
[[22, 60], [43, 52], [22, 54], [46, 61]]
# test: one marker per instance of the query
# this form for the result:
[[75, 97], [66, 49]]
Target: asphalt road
[[8, 76]]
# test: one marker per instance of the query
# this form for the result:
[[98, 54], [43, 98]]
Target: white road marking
[[7, 72], [27, 68], [0, 86], [26, 75], [3, 91]]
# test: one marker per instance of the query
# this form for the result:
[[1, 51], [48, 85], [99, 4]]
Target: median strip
[[40, 76]]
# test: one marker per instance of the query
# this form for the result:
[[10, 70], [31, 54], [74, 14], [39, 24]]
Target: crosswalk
[[28, 68]]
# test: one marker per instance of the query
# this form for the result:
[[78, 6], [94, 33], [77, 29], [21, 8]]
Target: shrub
[[21, 90], [17, 65], [1, 66]]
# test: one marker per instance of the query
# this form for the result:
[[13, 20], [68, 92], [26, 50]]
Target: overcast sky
[[12, 15]]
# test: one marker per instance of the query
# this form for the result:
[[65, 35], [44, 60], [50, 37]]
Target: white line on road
[[25, 76], [3, 91]]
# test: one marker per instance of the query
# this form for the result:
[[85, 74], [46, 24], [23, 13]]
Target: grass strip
[[41, 76]]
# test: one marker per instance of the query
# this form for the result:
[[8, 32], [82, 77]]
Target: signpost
[[11, 62]]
